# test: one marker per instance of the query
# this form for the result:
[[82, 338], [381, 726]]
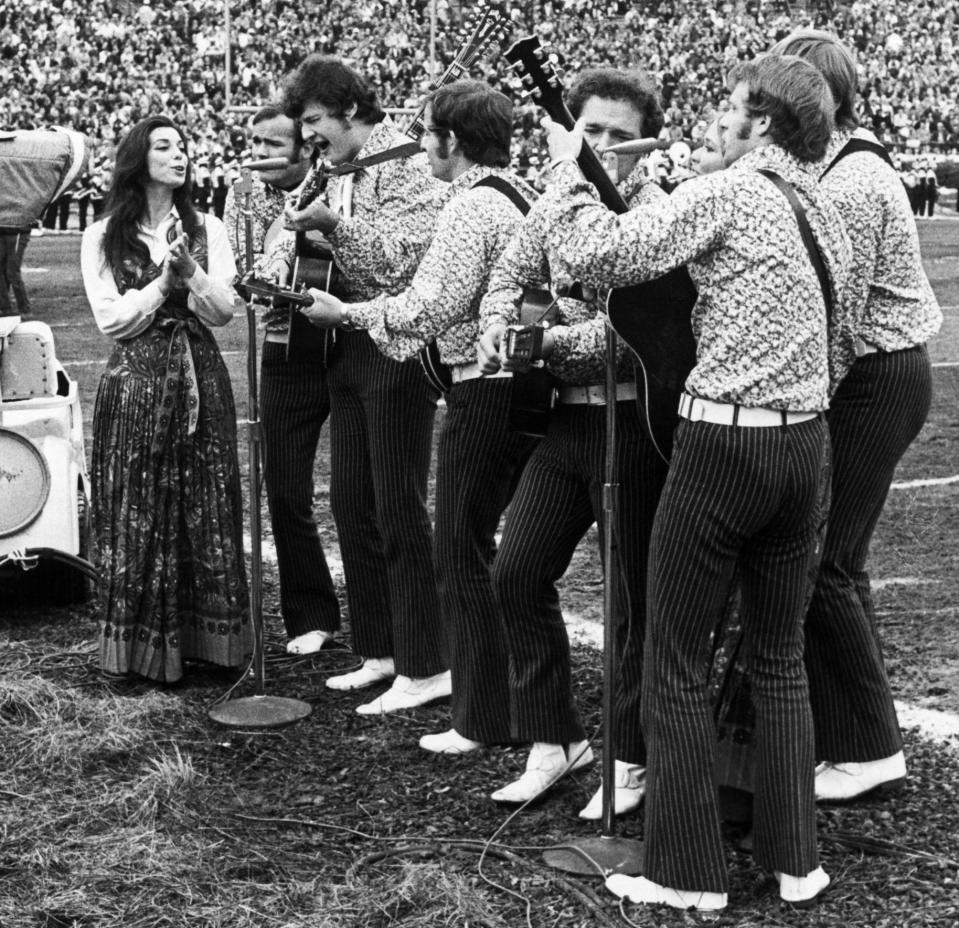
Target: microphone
[[635, 147], [266, 164]]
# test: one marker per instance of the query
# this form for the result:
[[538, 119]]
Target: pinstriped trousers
[[741, 498], [558, 499], [876, 413], [381, 424], [479, 462], [294, 404]]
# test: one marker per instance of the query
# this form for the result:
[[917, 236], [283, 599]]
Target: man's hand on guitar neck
[[564, 145], [491, 351], [316, 216], [326, 311]]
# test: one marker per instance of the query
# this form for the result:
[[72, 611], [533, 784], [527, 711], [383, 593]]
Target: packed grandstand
[[100, 65]]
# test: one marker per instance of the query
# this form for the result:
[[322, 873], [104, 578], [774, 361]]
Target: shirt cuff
[[361, 315], [200, 284], [341, 233], [566, 172], [561, 340]]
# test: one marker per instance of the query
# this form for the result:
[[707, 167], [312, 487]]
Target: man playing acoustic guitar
[[379, 222], [560, 494]]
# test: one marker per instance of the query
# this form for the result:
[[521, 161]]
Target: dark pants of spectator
[[478, 465], [201, 194], [219, 199], [737, 501], [381, 440], [876, 413], [295, 404], [57, 214], [83, 204], [560, 495], [931, 197], [13, 243]]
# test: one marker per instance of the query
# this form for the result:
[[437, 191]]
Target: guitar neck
[[592, 167]]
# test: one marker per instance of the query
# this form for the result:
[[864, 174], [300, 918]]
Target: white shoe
[[848, 781], [630, 788], [374, 670], [802, 891], [408, 693], [547, 765], [449, 742], [308, 643], [639, 889]]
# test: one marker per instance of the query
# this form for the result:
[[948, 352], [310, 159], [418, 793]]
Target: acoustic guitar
[[652, 318]]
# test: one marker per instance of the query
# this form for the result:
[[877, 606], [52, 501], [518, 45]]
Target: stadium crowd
[[100, 66]]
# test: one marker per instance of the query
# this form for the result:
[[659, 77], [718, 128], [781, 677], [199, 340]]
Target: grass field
[[121, 804]]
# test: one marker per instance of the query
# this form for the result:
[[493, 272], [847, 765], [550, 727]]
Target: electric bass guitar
[[652, 318]]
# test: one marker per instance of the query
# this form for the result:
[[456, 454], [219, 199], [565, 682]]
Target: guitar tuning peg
[[526, 80], [559, 74]]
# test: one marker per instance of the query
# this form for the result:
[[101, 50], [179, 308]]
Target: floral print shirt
[[443, 300], [888, 299], [579, 335], [759, 320], [395, 205]]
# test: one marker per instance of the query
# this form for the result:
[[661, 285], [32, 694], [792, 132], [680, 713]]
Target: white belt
[[461, 372], [699, 410], [864, 348], [279, 338], [594, 394]]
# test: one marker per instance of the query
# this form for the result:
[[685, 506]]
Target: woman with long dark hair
[[167, 511]]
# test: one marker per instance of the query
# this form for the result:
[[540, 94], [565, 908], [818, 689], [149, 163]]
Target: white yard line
[[930, 482], [934, 724]]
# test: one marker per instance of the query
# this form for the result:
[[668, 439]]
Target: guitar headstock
[[489, 25], [540, 75]]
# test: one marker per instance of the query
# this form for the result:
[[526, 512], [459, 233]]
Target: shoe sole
[[539, 797], [811, 902], [884, 790], [419, 705], [358, 686]]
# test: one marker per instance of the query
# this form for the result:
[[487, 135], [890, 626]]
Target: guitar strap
[[854, 145], [809, 240], [437, 372], [388, 154]]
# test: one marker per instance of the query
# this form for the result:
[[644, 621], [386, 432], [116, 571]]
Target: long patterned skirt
[[167, 508]]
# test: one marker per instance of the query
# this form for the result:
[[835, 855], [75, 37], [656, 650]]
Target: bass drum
[[24, 482]]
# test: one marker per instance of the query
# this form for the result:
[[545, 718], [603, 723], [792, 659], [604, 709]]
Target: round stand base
[[598, 856], [260, 712]]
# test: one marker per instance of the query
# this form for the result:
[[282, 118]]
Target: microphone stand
[[608, 853], [258, 710]]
